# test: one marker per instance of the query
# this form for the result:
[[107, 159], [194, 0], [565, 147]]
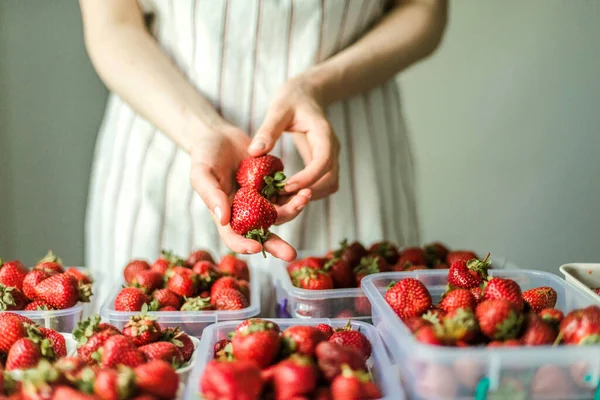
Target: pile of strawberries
[[252, 213], [480, 310], [302, 362], [48, 286], [195, 284]]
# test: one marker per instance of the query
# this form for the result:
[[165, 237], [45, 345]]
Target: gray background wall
[[504, 118]]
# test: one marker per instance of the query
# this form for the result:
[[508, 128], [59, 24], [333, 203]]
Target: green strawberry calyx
[[509, 328], [273, 184], [6, 298], [260, 235], [50, 257], [196, 304]]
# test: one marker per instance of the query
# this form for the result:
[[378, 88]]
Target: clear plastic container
[[191, 322], [436, 372], [583, 275], [379, 362], [294, 302]]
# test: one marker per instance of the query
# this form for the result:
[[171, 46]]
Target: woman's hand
[[296, 108], [215, 158]]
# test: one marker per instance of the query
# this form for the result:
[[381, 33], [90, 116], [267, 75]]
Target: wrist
[[320, 81]]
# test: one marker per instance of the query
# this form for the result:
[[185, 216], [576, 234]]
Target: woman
[[210, 82]]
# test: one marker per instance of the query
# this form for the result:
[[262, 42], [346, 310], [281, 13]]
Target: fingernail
[[258, 145], [291, 188], [299, 208], [218, 214]]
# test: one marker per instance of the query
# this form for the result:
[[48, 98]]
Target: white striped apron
[[237, 53]]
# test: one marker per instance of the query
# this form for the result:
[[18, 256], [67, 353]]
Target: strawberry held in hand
[[252, 214], [264, 174]]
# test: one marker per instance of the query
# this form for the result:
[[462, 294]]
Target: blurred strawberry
[[581, 326], [499, 319], [206, 274], [349, 337], [352, 253], [197, 256], [341, 273], [50, 262], [196, 304], [387, 250], [12, 274], [326, 329], [38, 306], [142, 329], [436, 251], [540, 298], [537, 332], [458, 298], [370, 265], [312, 279], [131, 299], [258, 344], [302, 339], [185, 286], [308, 262], [165, 298], [552, 316], [229, 299], [332, 356], [460, 325], [147, 280], [32, 279], [133, 268], [81, 276], [157, 378], [411, 256], [181, 340], [231, 380], [233, 266], [460, 255], [295, 376], [11, 299]]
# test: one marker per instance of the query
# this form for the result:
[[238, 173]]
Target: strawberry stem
[[261, 236]]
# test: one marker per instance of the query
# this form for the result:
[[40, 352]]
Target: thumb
[[276, 121]]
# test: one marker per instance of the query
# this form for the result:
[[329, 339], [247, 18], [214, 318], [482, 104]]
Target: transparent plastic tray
[[583, 275], [191, 322], [294, 302], [433, 372], [379, 362]]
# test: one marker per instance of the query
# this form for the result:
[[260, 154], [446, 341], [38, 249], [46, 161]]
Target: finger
[[327, 185], [206, 184], [238, 243], [280, 248], [321, 163], [276, 121], [293, 207], [303, 147]]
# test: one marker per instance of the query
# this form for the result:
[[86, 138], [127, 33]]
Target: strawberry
[[295, 376], [411, 256], [552, 382], [12, 274], [597, 291], [38, 306], [32, 279], [415, 323], [142, 329], [387, 250], [231, 380], [552, 316], [226, 282], [119, 350], [256, 343], [581, 327], [348, 337], [507, 289], [81, 276], [11, 299], [56, 340], [467, 275], [229, 299], [158, 379], [436, 251], [252, 215], [247, 325], [70, 367], [440, 266], [24, 354], [370, 265], [11, 315], [233, 266], [147, 280], [162, 351], [133, 268], [460, 325], [331, 356], [499, 319], [312, 279], [308, 262], [264, 174], [345, 314], [185, 286], [91, 335], [165, 298], [222, 349], [460, 255], [537, 332], [197, 304], [458, 298], [434, 315], [167, 309], [131, 299], [354, 385], [477, 293], [351, 253], [66, 392], [302, 339], [50, 262], [341, 273], [197, 256], [504, 343], [87, 349], [166, 261], [244, 288], [114, 385], [62, 291], [540, 298], [408, 298], [326, 329], [428, 334], [414, 268], [362, 305], [206, 273], [181, 340]]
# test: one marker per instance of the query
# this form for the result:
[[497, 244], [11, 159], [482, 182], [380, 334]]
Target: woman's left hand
[[296, 109]]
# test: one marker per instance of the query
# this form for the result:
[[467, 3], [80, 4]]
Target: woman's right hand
[[215, 158]]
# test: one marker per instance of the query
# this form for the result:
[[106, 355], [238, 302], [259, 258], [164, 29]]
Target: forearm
[[408, 33], [131, 64]]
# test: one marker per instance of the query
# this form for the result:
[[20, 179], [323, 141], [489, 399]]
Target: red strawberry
[[345, 314], [411, 256], [370, 265], [351, 338], [12, 274], [302, 339], [332, 356], [56, 341], [32, 279], [354, 385], [50, 262], [157, 378], [362, 305], [147, 280], [167, 309], [540, 298], [185, 286], [70, 367], [312, 279], [229, 299], [142, 329], [81, 276], [91, 335], [24, 354], [308, 262], [166, 261], [460, 325], [247, 325], [552, 316], [131, 299], [226, 282], [415, 268], [263, 174], [460, 255], [244, 288], [537, 332], [504, 343], [499, 319], [440, 266], [467, 275], [163, 351], [581, 327], [507, 289], [252, 215], [231, 380], [38, 306], [119, 350], [351, 253], [62, 291], [231, 265], [551, 382], [220, 349], [181, 340], [165, 298], [437, 251], [12, 329], [11, 299], [257, 343], [434, 315], [477, 293], [11, 315], [66, 392], [206, 273], [197, 304], [114, 385], [428, 334], [133, 268], [597, 291], [458, 298], [387, 250], [197, 256], [341, 273], [87, 349], [415, 323], [294, 377], [408, 298], [326, 329]]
